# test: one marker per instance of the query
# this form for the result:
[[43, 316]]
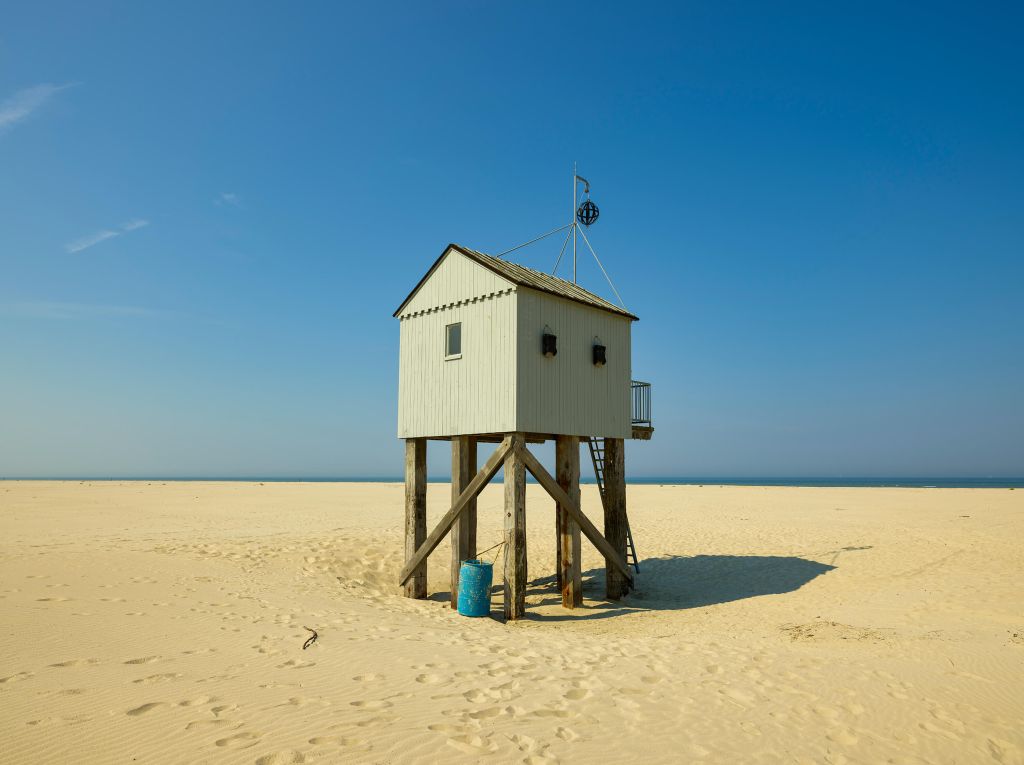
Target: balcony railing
[[640, 392]]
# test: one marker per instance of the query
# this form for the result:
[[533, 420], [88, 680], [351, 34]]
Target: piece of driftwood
[[311, 639]]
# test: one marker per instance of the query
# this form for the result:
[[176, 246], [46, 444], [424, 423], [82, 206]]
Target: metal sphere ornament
[[587, 213]]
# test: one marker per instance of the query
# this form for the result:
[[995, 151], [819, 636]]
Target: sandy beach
[[164, 623]]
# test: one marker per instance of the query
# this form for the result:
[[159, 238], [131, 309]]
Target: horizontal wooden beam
[[589, 530], [642, 432], [495, 438], [480, 480]]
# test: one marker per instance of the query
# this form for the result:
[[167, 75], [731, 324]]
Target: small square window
[[453, 341]]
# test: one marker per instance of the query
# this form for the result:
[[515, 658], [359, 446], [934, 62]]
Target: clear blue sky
[[209, 211]]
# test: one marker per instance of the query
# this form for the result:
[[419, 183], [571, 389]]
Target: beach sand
[[164, 622]]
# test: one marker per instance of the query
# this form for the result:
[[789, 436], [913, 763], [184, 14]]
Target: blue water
[[911, 482]]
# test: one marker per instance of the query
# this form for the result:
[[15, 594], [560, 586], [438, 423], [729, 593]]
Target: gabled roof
[[524, 277]]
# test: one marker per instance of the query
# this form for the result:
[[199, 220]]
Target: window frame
[[447, 340]]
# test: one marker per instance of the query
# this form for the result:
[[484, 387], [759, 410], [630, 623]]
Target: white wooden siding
[[567, 394], [503, 382], [456, 279], [472, 394]]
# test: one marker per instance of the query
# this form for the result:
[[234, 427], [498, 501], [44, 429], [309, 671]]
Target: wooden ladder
[[596, 446]]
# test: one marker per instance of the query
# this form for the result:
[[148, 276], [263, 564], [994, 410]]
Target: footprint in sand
[[345, 741], [447, 728], [146, 708], [196, 702], [376, 721], [561, 713], [486, 712], [282, 758], [16, 678], [295, 664], [75, 662], [428, 679], [381, 704], [301, 701], [143, 660], [163, 678], [470, 744], [242, 740], [367, 678], [203, 724]]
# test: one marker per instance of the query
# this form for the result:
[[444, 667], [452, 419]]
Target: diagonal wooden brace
[[444, 525], [558, 494]]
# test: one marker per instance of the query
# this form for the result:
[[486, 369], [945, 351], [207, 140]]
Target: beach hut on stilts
[[492, 352]]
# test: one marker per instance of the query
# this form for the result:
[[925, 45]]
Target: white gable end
[[454, 281]]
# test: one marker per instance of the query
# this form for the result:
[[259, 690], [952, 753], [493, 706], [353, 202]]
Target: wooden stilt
[[558, 547], [415, 512], [570, 574], [486, 473], [588, 529], [515, 530], [463, 532], [615, 523]]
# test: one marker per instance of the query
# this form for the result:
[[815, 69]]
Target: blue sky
[[209, 211]]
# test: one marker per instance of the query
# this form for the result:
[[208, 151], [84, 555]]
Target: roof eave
[[483, 262], [608, 309]]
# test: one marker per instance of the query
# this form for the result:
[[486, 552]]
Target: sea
[[834, 481]]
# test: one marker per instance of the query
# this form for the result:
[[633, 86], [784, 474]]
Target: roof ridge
[[571, 288]]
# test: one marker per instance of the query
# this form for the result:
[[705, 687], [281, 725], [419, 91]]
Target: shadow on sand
[[680, 582]]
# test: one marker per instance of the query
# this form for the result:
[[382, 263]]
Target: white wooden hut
[[492, 351]]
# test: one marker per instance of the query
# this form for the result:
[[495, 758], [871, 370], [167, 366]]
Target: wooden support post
[[615, 522], [570, 572], [487, 472], [415, 512], [464, 529], [515, 530], [589, 529]]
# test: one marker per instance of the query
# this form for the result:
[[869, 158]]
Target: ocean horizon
[[804, 481]]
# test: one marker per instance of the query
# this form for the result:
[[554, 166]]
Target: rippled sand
[[164, 623]]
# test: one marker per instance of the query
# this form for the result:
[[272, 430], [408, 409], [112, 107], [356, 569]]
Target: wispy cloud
[[134, 224], [46, 309], [101, 236], [89, 241], [21, 105], [228, 198]]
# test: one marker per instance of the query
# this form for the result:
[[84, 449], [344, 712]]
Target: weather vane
[[583, 215], [587, 213]]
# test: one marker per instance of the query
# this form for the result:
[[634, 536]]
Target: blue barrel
[[475, 577]]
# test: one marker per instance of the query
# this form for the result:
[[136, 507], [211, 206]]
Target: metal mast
[[572, 220]]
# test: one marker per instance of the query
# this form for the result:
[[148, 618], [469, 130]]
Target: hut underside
[[513, 454]]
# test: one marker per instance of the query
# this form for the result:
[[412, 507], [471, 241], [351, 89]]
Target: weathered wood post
[[615, 523], [515, 530], [415, 512], [463, 533], [570, 572]]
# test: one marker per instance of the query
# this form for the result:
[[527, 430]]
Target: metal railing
[[640, 393]]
